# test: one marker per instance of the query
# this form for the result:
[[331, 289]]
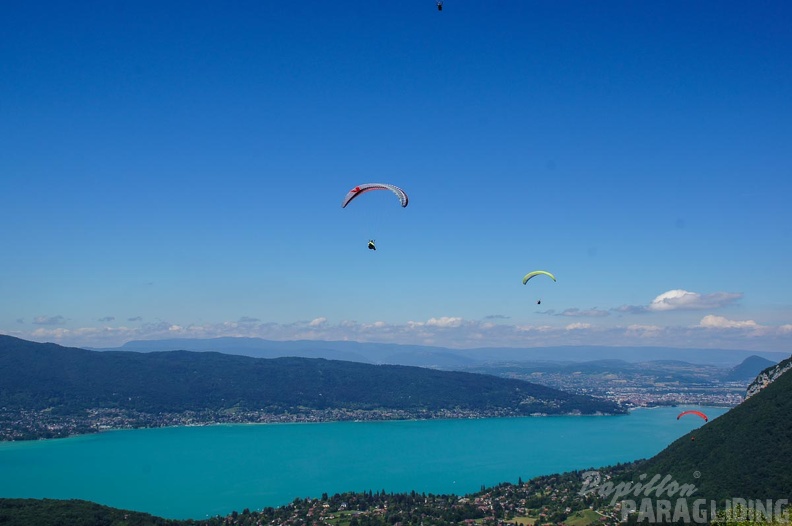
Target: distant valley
[[639, 384], [634, 376]]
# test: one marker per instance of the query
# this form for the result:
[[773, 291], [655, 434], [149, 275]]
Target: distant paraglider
[[697, 413], [439, 5], [369, 187], [537, 273]]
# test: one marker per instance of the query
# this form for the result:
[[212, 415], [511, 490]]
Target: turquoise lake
[[195, 472]]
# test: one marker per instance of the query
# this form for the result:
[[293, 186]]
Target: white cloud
[[631, 309], [445, 321], [719, 322], [536, 328], [643, 331], [49, 320], [56, 334], [446, 331], [643, 328], [588, 313], [679, 299], [91, 336]]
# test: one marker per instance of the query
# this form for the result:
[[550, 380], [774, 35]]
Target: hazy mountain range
[[441, 357]]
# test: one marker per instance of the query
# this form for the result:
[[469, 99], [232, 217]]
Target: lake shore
[[46, 424]]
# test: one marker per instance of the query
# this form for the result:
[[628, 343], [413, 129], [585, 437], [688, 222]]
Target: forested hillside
[[35, 376], [746, 453]]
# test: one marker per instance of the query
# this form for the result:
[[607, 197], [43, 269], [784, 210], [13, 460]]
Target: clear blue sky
[[176, 169]]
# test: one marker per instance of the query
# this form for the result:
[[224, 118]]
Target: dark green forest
[[52, 512], [35, 376]]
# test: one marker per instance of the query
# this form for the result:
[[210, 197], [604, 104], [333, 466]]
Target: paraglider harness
[[439, 5], [371, 245]]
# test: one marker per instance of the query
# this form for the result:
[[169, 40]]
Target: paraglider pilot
[[371, 245], [439, 5]]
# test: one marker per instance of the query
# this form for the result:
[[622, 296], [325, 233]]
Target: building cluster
[[41, 424], [554, 499], [644, 390]]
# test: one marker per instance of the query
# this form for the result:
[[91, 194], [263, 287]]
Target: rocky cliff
[[767, 377]]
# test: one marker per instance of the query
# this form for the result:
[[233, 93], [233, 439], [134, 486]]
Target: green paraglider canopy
[[536, 273]]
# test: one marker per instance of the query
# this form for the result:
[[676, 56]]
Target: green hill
[[52, 512], [746, 453], [35, 376], [749, 368]]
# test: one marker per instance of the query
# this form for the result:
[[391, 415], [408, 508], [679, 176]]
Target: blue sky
[[177, 169]]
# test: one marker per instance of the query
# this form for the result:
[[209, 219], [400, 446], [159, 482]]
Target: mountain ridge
[[767, 377], [434, 356], [55, 380]]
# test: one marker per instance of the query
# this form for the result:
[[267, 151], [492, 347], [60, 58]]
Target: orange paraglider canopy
[[698, 413]]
